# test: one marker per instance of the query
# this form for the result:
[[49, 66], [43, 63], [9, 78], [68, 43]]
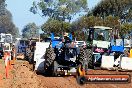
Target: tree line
[[6, 23], [116, 14], [113, 13]]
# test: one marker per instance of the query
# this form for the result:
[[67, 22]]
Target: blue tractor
[[120, 49], [62, 57], [115, 49]]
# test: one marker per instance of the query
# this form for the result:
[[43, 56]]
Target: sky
[[22, 15]]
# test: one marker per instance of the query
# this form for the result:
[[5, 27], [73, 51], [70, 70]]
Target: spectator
[[66, 37]]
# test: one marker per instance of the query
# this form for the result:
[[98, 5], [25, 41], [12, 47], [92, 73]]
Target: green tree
[[30, 31], [55, 26], [120, 8], [55, 8], [2, 7], [113, 11], [116, 14], [62, 10], [6, 24], [90, 21], [126, 28]]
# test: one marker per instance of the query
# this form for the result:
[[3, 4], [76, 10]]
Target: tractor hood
[[101, 44]]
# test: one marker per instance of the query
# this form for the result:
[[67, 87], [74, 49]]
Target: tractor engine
[[66, 55]]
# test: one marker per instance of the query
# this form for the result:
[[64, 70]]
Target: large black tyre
[[81, 80], [90, 59], [55, 67], [82, 59], [49, 60], [30, 58], [0, 57]]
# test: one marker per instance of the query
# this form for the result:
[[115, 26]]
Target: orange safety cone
[[6, 57], [14, 56], [7, 70]]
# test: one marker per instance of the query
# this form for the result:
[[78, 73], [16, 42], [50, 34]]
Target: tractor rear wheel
[[49, 61], [55, 67], [90, 59], [81, 80], [82, 59]]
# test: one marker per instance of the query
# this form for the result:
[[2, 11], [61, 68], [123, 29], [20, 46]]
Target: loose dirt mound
[[58, 82], [21, 77]]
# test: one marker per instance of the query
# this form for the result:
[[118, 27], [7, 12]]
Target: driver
[[66, 38], [68, 42], [101, 36]]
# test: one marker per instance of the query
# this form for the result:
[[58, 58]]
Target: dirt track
[[22, 77]]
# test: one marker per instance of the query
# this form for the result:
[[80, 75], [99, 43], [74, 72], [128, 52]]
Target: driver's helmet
[[65, 34]]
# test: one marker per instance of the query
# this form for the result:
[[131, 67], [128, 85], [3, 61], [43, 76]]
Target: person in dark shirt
[[66, 38], [101, 37]]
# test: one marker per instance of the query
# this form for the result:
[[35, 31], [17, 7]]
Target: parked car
[[80, 43]]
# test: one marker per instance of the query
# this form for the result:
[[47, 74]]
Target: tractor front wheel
[[49, 61], [55, 67]]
